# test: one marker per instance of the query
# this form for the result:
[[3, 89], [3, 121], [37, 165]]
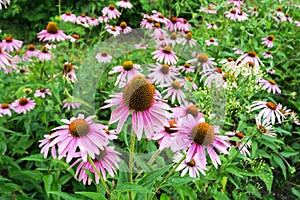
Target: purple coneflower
[[123, 28], [5, 109], [187, 67], [173, 24], [269, 111], [69, 72], [165, 55], [160, 18], [243, 147], [23, 105], [211, 25], [237, 51], [10, 44], [103, 19], [250, 57], [241, 16], [68, 17], [112, 30], [147, 23], [31, 51], [44, 54], [111, 12], [267, 54], [198, 136], [184, 25], [124, 4], [211, 41], [236, 3], [268, 41], [74, 37], [158, 31], [173, 40], [161, 74], [42, 92], [209, 10], [82, 19], [92, 21], [264, 127], [192, 166], [186, 109], [4, 59], [214, 76], [270, 85], [107, 160], [202, 60], [79, 132], [103, 57], [127, 71], [69, 103], [52, 33], [164, 135], [45, 146], [232, 14], [148, 110], [174, 89], [188, 39]]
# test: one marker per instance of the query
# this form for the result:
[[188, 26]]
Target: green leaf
[[220, 196], [254, 191], [174, 181], [288, 154], [92, 195], [164, 196], [35, 157], [47, 183], [132, 187], [66, 196], [296, 192], [253, 149], [152, 176], [267, 176], [279, 162]]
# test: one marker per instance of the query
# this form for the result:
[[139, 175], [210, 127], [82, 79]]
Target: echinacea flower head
[[267, 54], [264, 128], [213, 76], [68, 17], [164, 135], [42, 92], [269, 112], [203, 61], [243, 147], [5, 109], [148, 111], [82, 133], [165, 55], [103, 57], [10, 44], [174, 89], [31, 51], [45, 146], [185, 110], [4, 59], [69, 72], [128, 70], [112, 30], [241, 16], [124, 28], [251, 56], [268, 41], [161, 74], [191, 166], [52, 33], [211, 41], [23, 105], [92, 21], [147, 23], [198, 136], [187, 67], [236, 3], [270, 85], [106, 161], [44, 54], [211, 25], [124, 4], [232, 14], [188, 39], [111, 12]]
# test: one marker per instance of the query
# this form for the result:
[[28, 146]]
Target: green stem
[[42, 70], [167, 176], [132, 141], [100, 176]]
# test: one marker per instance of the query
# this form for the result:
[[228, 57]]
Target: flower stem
[[100, 176], [132, 141], [167, 176]]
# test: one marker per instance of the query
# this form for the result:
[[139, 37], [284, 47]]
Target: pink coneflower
[[237, 51], [286, 17], [124, 4], [198, 136], [123, 28], [44, 54], [92, 21], [297, 23], [254, 11], [283, 110], [82, 19], [236, 3], [161, 74], [5, 109], [45, 146], [241, 16], [188, 39], [271, 71], [52, 33], [50, 46], [269, 111], [268, 41], [186, 109], [69, 72], [187, 67], [243, 147], [174, 89], [111, 134], [31, 51], [107, 160], [189, 84], [111, 12], [211, 25], [173, 24], [4, 59], [103, 19], [103, 57], [184, 25], [164, 135], [42, 92], [191, 166], [202, 60], [270, 85], [10, 44], [267, 54], [209, 10], [5, 3], [228, 62], [147, 23], [211, 41], [23, 105], [213, 76], [148, 110], [173, 40], [264, 127], [160, 18], [232, 14], [165, 55], [141, 46], [250, 57], [69, 103], [112, 30], [293, 116], [68, 17], [74, 37], [79, 132], [127, 71], [158, 31]]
